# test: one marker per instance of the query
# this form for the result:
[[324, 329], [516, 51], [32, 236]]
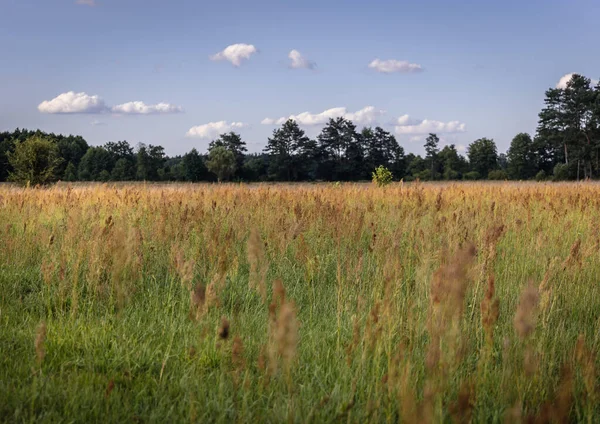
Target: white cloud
[[235, 53], [72, 102], [97, 123], [363, 116], [90, 3], [366, 115], [213, 129], [391, 66], [299, 61], [461, 148], [562, 82], [140, 108], [406, 125], [271, 121], [405, 120]]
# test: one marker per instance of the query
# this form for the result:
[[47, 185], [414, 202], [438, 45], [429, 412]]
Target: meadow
[[465, 302]]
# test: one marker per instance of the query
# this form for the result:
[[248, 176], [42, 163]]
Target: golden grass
[[307, 303]]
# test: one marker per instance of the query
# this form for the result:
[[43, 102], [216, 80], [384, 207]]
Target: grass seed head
[[286, 333], [198, 300], [223, 331], [40, 341], [526, 315], [490, 310]]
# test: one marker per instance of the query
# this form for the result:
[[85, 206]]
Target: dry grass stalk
[[447, 297], [278, 293], [574, 257], [490, 311], [462, 409], [355, 340], [450, 282], [237, 353], [409, 406], [558, 409], [531, 361], [198, 301], [491, 240], [40, 342], [261, 362], [286, 333], [283, 331], [237, 359], [223, 331], [373, 328], [514, 415], [545, 289], [258, 264], [526, 315], [446, 304], [109, 388], [587, 361], [184, 268], [212, 292], [47, 269]]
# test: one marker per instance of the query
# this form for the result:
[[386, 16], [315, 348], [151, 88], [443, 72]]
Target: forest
[[566, 146]]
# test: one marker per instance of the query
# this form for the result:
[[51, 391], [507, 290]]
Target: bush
[[540, 176], [34, 161], [451, 174], [424, 175], [498, 175], [473, 175], [70, 172], [561, 172], [382, 176]]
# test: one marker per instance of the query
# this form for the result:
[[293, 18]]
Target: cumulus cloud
[[562, 82], [72, 102], [406, 120], [213, 129], [90, 3], [235, 53], [271, 121], [393, 66], [363, 116], [300, 62], [141, 108], [97, 123], [406, 125], [366, 115]]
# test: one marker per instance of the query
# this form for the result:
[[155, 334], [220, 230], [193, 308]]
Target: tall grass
[[221, 303]]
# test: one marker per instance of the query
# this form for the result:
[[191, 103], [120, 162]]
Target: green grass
[[121, 344]]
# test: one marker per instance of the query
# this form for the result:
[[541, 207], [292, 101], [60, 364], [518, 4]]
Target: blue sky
[[467, 69]]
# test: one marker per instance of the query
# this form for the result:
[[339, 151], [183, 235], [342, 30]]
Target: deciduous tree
[[483, 156], [221, 162], [34, 161]]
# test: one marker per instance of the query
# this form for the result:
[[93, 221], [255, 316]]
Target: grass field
[[310, 303]]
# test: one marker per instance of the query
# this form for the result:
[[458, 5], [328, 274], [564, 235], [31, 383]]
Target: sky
[[177, 73]]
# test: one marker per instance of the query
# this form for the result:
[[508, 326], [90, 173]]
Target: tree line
[[566, 146]]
